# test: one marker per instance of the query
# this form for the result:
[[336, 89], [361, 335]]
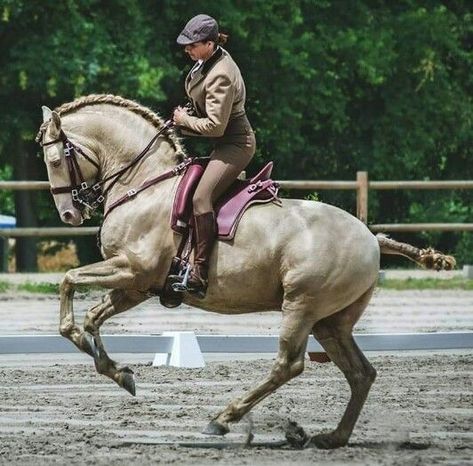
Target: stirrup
[[181, 279]]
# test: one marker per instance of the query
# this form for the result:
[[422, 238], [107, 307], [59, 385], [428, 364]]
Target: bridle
[[83, 195]]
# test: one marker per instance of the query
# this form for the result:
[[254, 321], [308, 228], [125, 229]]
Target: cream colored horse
[[313, 262]]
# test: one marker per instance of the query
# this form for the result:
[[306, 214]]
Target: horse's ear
[[55, 125], [47, 112]]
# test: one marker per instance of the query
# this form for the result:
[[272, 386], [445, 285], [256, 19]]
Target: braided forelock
[[135, 107]]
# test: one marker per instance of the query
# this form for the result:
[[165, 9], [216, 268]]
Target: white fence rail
[[183, 349]]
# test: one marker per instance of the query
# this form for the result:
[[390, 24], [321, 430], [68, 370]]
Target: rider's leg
[[226, 163]]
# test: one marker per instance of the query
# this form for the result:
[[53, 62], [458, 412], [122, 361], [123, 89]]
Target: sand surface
[[419, 412]]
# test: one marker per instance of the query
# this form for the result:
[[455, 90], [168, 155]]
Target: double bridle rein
[[90, 197]]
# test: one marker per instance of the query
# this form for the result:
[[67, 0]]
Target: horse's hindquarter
[[304, 255]]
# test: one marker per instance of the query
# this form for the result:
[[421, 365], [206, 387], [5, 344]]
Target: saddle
[[229, 210], [230, 207]]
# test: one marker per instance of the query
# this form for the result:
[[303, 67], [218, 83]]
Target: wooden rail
[[362, 185]]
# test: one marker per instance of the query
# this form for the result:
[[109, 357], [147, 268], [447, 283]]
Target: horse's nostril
[[67, 215]]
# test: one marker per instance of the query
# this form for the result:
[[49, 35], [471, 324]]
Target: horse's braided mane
[[135, 107]]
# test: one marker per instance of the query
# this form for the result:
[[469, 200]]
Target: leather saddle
[[230, 207]]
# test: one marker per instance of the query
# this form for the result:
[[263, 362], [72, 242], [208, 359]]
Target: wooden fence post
[[362, 196]]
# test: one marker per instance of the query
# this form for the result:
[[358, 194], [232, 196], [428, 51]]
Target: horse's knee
[[89, 323], [67, 282], [65, 329]]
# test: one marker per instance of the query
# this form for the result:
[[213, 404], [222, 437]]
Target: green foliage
[[332, 86], [312, 196], [41, 287], [7, 206]]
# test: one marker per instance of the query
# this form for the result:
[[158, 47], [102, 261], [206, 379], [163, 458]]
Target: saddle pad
[[230, 207], [233, 205]]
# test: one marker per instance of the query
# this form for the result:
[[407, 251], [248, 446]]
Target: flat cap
[[200, 27]]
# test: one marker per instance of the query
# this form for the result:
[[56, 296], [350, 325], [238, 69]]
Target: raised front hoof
[[126, 380], [215, 428], [87, 344], [327, 441]]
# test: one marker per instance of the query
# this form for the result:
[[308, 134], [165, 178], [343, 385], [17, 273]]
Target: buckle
[[84, 185], [68, 148], [75, 195], [178, 169], [100, 199], [255, 186], [97, 187], [131, 192]]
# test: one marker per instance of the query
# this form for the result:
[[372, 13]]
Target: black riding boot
[[205, 235]]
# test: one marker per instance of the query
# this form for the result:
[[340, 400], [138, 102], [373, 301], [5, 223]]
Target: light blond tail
[[427, 258]]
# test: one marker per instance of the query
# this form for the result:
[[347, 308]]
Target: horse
[[314, 263]]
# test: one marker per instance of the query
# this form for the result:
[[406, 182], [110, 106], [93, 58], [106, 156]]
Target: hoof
[[215, 428], [127, 380], [296, 436], [88, 345], [327, 441]]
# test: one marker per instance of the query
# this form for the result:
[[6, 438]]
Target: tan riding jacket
[[218, 93]]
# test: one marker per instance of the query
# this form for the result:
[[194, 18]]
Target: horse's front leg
[[113, 303], [289, 364], [112, 273]]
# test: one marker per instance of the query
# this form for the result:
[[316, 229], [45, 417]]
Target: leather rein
[[90, 197]]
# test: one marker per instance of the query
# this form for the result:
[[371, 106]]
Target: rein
[[90, 197]]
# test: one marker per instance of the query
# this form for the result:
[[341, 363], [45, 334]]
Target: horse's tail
[[428, 258]]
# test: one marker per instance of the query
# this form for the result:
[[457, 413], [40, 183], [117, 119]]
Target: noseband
[[83, 195]]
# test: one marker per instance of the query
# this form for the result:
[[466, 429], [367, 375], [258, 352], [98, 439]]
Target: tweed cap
[[199, 28]]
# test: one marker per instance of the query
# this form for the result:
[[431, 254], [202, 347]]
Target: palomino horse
[[313, 262]]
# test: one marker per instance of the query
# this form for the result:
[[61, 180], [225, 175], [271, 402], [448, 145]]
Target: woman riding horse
[[216, 90]]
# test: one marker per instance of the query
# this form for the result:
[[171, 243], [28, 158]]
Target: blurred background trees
[[333, 87]]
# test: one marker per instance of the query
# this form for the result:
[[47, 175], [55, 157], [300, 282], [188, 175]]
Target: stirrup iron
[[181, 286]]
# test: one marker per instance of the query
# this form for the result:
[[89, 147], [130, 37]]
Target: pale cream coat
[[313, 262]]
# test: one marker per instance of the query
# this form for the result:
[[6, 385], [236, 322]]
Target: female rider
[[216, 89]]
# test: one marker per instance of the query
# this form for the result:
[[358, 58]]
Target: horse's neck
[[116, 139]]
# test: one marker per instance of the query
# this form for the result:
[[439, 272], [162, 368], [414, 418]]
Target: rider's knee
[[201, 203]]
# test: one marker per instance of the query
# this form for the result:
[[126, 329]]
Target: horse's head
[[70, 167]]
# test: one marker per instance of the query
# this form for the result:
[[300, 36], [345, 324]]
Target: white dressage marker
[[185, 351]]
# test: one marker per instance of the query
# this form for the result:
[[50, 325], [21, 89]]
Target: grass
[[456, 283], [38, 287], [42, 287]]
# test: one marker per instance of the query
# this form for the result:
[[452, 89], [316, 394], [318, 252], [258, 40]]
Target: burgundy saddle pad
[[230, 207]]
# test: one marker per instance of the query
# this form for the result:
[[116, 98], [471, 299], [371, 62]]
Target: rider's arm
[[218, 106]]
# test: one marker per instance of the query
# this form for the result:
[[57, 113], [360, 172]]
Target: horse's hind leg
[[113, 303], [289, 363], [335, 335]]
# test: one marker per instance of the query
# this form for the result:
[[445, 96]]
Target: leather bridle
[[83, 195]]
